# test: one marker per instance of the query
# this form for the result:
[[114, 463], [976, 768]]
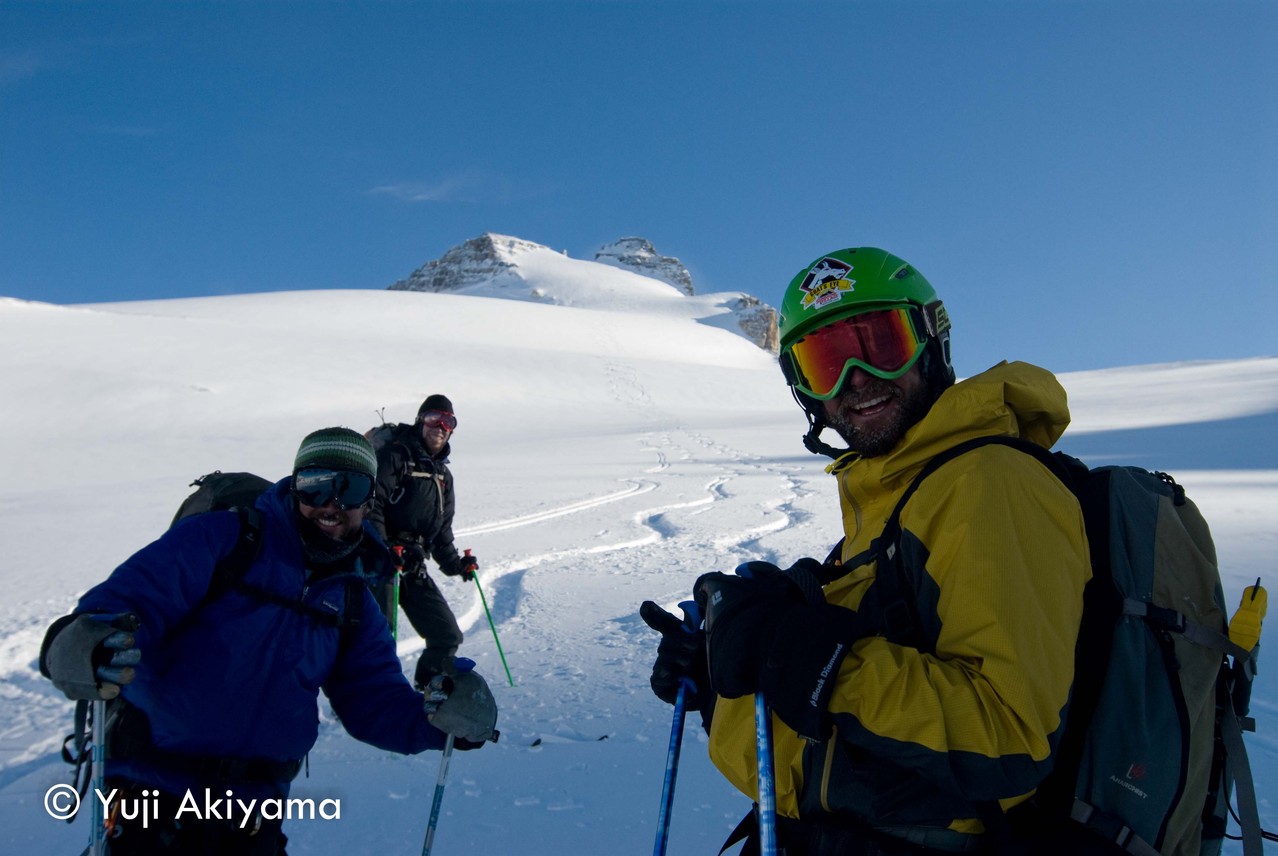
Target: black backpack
[[1153, 639], [219, 491]]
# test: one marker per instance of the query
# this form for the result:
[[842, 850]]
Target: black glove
[[742, 614], [681, 656], [462, 705], [469, 565], [90, 657], [432, 662], [410, 557], [771, 631]]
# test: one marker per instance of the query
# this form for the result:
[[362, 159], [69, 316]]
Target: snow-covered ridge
[[1171, 393], [628, 275]]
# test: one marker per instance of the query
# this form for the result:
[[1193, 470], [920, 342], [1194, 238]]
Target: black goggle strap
[[936, 320], [811, 409]]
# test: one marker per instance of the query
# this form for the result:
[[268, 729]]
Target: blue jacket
[[240, 678]]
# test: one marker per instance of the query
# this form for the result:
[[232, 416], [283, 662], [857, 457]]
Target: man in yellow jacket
[[890, 740]]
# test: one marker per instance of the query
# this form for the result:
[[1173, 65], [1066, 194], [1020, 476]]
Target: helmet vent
[[902, 273]]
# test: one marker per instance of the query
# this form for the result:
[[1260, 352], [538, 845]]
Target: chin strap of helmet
[[816, 424]]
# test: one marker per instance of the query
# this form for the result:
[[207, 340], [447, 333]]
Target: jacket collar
[[1011, 399]]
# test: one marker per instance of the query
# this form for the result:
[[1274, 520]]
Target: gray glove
[[462, 705], [90, 657]]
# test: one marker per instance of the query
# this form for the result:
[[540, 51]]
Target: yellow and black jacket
[[996, 546]]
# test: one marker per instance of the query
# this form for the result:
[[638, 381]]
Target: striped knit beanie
[[337, 449]]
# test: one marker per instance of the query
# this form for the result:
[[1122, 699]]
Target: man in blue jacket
[[217, 690]]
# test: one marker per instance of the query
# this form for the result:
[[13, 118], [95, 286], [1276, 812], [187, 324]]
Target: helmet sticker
[[826, 282]]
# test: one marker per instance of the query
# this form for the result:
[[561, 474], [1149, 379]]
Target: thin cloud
[[466, 187], [125, 130]]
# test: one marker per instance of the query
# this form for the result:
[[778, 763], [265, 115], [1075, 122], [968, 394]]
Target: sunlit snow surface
[[606, 454]]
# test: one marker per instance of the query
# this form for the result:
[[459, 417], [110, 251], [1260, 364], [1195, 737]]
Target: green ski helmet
[[849, 282]]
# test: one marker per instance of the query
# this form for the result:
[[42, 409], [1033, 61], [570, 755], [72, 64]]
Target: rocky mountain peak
[[475, 261], [640, 256]]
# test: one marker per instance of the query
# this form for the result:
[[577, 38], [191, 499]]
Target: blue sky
[[1086, 183]]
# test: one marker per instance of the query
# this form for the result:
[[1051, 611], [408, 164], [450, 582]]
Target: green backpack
[[1152, 746]]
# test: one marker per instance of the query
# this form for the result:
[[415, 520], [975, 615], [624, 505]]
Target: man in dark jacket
[[413, 511], [217, 690]]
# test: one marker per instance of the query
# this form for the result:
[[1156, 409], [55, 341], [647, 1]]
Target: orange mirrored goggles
[[883, 342]]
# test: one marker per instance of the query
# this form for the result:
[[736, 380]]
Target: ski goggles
[[438, 419], [883, 342], [316, 487]]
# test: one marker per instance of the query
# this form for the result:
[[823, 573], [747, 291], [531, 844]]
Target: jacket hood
[[1011, 399]]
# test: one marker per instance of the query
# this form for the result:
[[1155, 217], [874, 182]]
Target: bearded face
[[872, 414]]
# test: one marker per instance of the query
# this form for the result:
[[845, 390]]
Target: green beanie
[[337, 449]]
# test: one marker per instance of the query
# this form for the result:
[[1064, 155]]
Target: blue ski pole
[[439, 796], [98, 816], [691, 622], [767, 782]]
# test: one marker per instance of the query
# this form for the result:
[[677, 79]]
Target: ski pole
[[98, 817], [692, 621], [492, 626], [393, 612], [767, 784], [439, 796], [672, 769]]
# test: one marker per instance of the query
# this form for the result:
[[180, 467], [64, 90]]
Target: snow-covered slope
[[606, 454]]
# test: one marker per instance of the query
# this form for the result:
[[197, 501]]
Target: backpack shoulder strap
[[348, 625], [891, 588], [1062, 466], [232, 568]]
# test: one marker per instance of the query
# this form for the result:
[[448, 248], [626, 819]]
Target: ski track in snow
[[682, 534]]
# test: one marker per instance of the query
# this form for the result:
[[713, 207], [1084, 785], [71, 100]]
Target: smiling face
[[339, 524], [873, 414], [434, 435]]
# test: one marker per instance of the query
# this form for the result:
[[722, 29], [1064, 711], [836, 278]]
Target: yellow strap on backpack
[[1244, 627]]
